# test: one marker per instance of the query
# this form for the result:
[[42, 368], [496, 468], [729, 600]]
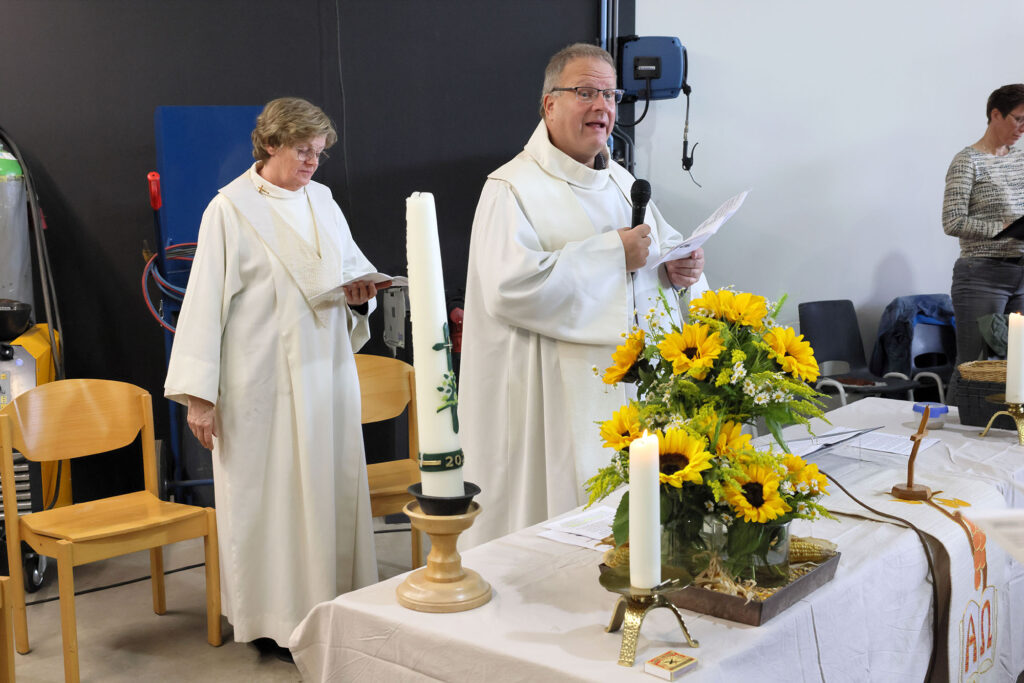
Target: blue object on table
[[936, 416], [937, 409]]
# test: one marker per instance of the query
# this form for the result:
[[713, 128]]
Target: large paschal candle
[[436, 397]]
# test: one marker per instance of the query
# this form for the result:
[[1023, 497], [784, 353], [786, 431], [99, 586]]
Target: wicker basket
[[978, 380]]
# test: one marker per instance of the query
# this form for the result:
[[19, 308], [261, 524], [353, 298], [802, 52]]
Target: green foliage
[[620, 527]]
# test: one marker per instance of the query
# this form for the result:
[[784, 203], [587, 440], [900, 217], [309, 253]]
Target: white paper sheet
[[808, 445], [706, 229], [868, 439], [594, 523], [892, 443]]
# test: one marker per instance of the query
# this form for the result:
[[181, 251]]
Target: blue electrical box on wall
[[655, 63]]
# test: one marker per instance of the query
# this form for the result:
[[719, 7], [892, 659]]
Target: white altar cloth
[[547, 617]]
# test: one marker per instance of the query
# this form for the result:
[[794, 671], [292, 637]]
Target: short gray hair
[[288, 121], [558, 62]]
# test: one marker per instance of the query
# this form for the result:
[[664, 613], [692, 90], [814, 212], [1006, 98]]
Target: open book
[[396, 280], [706, 229]]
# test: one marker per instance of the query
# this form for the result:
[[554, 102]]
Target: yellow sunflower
[[624, 357], [793, 353], [814, 479], [682, 457], [692, 351], [730, 439], [793, 463], [756, 497], [723, 304], [624, 426]]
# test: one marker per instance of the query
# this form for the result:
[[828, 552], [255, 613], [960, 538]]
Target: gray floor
[[121, 639]]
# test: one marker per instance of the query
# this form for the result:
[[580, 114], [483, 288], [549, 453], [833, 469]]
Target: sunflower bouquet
[[725, 504]]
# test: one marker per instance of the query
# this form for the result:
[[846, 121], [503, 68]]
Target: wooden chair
[[387, 386], [6, 633], [74, 418]]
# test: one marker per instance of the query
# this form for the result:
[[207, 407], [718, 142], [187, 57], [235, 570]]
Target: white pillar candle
[[435, 409], [644, 513], [1015, 360]]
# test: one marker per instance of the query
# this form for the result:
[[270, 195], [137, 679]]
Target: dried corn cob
[[617, 556], [807, 549]]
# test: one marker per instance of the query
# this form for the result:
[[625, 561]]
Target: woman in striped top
[[984, 195]]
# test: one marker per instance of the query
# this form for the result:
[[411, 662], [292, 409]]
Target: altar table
[[547, 617]]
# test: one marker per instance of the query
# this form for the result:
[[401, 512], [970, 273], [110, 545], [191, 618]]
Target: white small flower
[[749, 388], [803, 487], [738, 372], [786, 487], [779, 396], [709, 506], [802, 508], [761, 399]]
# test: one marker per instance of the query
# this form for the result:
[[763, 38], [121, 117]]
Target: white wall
[[841, 118]]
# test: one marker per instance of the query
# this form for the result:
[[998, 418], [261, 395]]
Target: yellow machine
[[31, 364]]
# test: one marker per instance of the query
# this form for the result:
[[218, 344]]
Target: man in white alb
[[554, 279]]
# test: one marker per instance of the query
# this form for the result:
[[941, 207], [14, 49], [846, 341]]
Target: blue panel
[[670, 56], [198, 151]]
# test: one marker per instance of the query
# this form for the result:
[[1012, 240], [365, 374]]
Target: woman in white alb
[[263, 358]]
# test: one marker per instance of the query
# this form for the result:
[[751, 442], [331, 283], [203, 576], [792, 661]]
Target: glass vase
[[691, 543], [759, 552], [682, 547]]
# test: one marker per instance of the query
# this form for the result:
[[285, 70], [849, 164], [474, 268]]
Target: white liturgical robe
[[266, 335], [548, 298]]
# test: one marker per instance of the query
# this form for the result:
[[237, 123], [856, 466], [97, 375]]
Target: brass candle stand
[[444, 585], [1014, 410], [635, 603]]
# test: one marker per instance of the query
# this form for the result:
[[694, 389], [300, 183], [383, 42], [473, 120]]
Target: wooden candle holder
[[443, 585]]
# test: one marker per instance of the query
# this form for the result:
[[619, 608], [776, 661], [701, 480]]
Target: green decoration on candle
[[440, 462], [449, 392]]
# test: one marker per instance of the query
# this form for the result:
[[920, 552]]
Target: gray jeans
[[981, 286]]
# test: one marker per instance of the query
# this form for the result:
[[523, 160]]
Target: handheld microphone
[[640, 193]]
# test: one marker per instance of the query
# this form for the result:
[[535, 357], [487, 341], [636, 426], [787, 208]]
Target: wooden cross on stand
[[912, 491]]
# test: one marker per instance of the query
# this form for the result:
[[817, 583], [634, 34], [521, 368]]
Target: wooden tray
[[755, 612]]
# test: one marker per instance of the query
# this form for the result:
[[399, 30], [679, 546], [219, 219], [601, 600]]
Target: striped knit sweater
[[983, 191]]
